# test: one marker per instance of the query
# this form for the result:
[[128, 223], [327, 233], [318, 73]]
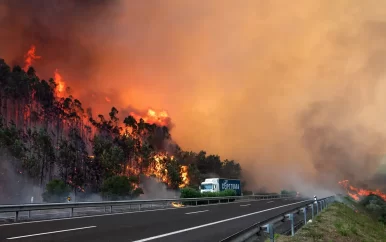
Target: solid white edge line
[[202, 211], [244, 205], [213, 223], [53, 232], [113, 214]]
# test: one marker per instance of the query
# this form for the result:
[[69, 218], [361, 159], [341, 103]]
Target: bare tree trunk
[[41, 174], [1, 103]]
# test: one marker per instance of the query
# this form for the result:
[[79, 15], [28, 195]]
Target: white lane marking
[[245, 205], [113, 214], [53, 232], [270, 202], [203, 211], [213, 223]]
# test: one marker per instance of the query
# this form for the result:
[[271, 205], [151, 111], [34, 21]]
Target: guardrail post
[[16, 216], [196, 202], [305, 215], [291, 217], [312, 208], [139, 207], [317, 207], [111, 209], [29, 214], [71, 212], [271, 232]]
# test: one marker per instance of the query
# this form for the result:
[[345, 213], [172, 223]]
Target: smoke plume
[[288, 89]]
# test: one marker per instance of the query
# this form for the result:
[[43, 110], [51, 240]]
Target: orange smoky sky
[[294, 91]]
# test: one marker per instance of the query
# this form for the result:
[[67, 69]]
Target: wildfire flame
[[58, 79], [158, 168], [357, 193], [184, 175], [107, 99], [30, 56], [159, 118], [177, 205]]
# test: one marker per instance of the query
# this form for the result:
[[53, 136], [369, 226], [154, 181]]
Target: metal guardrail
[[110, 204], [267, 226]]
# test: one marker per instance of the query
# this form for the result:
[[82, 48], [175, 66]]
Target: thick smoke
[[293, 91], [15, 187], [153, 189]]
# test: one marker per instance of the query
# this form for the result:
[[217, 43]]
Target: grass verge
[[340, 222]]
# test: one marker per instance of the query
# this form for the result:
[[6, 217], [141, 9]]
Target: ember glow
[[30, 57], [358, 193]]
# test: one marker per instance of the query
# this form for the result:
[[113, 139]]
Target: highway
[[197, 223]]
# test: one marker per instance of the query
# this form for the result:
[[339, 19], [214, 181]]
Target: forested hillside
[[47, 134]]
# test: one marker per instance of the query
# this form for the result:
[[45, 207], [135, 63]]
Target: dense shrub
[[192, 193], [189, 193], [119, 187], [56, 191], [376, 206]]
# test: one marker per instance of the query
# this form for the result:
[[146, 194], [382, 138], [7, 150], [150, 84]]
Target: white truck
[[221, 184]]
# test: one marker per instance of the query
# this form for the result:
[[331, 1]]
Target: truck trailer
[[221, 184]]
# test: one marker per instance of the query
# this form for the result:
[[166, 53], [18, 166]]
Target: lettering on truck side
[[226, 186]]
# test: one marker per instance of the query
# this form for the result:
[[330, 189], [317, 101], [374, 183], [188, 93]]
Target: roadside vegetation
[[194, 193], [342, 221]]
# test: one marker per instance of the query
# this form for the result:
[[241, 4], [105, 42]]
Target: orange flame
[[59, 81], [159, 118], [357, 193], [184, 175], [177, 205], [158, 169], [107, 99], [30, 57]]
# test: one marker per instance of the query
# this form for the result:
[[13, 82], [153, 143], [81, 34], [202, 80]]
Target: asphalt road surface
[[199, 223]]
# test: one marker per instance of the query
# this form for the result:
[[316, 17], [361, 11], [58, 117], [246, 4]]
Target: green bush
[[228, 193], [56, 191], [189, 193], [193, 193], [117, 187], [376, 206]]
